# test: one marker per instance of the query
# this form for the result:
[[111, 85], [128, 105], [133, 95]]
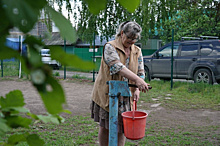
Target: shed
[[14, 43]]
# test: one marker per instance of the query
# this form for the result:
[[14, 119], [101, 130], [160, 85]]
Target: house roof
[[16, 40], [56, 40], [98, 42]]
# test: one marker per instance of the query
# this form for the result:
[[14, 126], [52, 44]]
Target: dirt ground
[[78, 96]]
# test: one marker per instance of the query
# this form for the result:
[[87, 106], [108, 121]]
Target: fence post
[[94, 57], [172, 60], [65, 52], [2, 67], [20, 48]]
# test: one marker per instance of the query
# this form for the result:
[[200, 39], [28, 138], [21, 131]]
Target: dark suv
[[197, 59]]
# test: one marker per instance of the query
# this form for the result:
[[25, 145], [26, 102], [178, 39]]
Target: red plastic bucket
[[134, 124]]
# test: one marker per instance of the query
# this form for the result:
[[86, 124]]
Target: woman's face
[[127, 40]]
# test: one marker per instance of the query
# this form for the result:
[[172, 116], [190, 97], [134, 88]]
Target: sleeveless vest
[[101, 89]]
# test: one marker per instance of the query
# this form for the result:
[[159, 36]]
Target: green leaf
[[67, 111], [35, 140], [13, 99], [18, 121], [11, 53], [33, 116], [16, 138], [35, 58], [130, 5], [3, 127], [95, 6], [33, 42], [23, 13], [60, 118], [4, 25], [34, 47], [8, 53], [58, 54], [66, 29], [16, 110], [48, 119], [53, 99]]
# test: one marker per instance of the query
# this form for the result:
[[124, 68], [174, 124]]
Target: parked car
[[45, 54], [197, 59]]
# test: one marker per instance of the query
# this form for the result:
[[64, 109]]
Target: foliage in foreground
[[23, 15]]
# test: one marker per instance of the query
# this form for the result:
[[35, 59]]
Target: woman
[[122, 61]]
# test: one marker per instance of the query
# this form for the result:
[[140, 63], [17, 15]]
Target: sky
[[65, 13]]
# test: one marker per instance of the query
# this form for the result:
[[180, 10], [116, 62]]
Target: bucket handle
[[134, 107]]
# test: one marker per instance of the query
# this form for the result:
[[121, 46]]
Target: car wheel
[[203, 76], [147, 74]]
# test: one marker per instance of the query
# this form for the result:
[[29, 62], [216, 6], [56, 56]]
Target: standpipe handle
[[133, 85], [134, 105], [134, 108]]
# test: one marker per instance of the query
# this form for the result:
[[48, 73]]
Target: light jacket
[[101, 89]]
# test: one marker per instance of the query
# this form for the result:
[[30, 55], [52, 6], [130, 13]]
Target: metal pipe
[[116, 89], [113, 121]]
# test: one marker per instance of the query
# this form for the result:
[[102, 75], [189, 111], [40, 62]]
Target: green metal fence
[[86, 54], [11, 68]]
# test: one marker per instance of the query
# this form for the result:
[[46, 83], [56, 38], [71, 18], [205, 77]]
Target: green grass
[[76, 130], [74, 69], [184, 95], [81, 130], [11, 68], [57, 74], [79, 77]]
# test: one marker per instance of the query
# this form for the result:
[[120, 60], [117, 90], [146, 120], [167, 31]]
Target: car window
[[189, 50], [216, 45], [166, 52], [206, 48], [45, 52]]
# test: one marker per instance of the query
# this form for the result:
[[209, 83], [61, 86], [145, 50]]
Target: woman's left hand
[[136, 94]]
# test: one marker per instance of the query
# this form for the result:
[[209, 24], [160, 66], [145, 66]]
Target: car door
[[187, 56], [161, 64]]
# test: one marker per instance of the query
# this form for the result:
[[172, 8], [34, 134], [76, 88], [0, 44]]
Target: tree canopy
[[157, 18]]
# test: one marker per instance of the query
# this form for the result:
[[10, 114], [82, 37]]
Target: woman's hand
[[136, 94], [142, 85]]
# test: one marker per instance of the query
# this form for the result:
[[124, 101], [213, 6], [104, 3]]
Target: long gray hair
[[129, 27]]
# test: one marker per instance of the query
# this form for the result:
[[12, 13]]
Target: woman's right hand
[[142, 85]]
